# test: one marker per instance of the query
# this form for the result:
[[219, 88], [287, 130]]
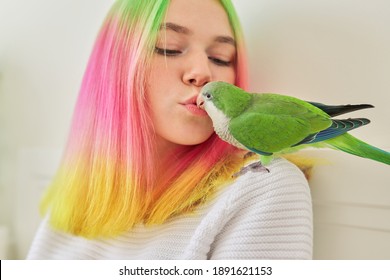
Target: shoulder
[[283, 178], [269, 216]]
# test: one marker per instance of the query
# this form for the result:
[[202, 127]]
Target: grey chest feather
[[221, 126]]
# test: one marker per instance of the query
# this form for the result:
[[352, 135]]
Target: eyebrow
[[225, 39], [175, 27], [184, 30]]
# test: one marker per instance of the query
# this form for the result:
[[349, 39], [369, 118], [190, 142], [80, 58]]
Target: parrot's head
[[225, 98]]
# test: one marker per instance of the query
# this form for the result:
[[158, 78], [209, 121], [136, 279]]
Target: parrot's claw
[[257, 167], [254, 167]]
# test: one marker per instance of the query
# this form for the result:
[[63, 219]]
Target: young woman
[[144, 176]]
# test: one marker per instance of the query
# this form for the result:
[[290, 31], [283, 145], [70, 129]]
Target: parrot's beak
[[200, 102]]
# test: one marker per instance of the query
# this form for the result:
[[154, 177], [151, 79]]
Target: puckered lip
[[191, 105], [191, 100]]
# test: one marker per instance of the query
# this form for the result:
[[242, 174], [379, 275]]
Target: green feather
[[352, 145]]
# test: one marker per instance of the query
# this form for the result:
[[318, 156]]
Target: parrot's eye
[[208, 96]]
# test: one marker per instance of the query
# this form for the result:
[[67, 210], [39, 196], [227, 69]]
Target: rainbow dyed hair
[[106, 182]]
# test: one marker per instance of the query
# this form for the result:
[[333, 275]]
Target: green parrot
[[273, 124]]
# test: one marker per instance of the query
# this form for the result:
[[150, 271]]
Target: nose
[[197, 71]]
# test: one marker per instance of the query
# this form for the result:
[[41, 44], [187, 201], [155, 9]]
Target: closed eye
[[167, 52], [220, 62]]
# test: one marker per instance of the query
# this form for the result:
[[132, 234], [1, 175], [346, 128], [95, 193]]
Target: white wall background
[[334, 51]]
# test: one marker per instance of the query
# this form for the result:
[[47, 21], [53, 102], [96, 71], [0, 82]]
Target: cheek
[[161, 69], [227, 75], [158, 90]]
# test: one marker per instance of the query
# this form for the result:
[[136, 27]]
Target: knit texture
[[259, 216]]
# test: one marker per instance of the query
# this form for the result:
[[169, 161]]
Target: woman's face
[[195, 46]]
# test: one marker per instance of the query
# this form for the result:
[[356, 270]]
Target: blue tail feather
[[337, 128]]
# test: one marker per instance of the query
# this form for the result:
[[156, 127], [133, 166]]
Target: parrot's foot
[[254, 167]]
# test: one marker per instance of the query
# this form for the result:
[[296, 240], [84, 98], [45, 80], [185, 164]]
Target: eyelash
[[167, 52], [220, 62]]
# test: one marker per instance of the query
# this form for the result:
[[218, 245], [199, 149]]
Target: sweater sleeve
[[270, 217]]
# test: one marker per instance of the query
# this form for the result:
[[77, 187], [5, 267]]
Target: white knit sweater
[[259, 216]]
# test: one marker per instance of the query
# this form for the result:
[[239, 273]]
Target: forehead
[[204, 17]]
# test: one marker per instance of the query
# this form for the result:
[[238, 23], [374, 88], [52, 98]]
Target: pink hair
[[106, 182]]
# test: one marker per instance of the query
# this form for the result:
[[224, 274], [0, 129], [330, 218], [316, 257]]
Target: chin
[[195, 140]]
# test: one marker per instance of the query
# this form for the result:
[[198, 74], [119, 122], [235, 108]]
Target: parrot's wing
[[268, 133], [337, 128], [335, 110]]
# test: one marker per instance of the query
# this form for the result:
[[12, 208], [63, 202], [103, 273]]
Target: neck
[[167, 155]]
